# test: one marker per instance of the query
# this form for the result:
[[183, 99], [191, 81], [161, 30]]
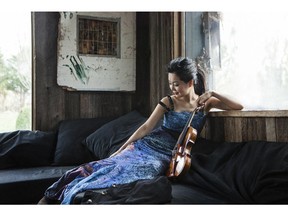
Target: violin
[[181, 157]]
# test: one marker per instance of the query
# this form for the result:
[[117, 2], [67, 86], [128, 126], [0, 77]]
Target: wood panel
[[238, 129], [231, 126], [141, 100], [214, 129], [270, 129], [48, 98], [162, 46], [161, 54], [253, 129], [281, 128]]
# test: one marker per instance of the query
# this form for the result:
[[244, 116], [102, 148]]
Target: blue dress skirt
[[145, 158]]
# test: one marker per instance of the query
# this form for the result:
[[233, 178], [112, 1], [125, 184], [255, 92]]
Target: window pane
[[254, 58], [15, 71], [98, 36]]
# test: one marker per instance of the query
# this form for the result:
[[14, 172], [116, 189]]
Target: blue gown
[[146, 158]]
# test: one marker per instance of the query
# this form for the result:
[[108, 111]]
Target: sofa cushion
[[24, 148], [27, 185], [69, 148], [108, 138]]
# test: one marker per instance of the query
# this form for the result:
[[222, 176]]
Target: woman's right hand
[[115, 153], [119, 150], [204, 97]]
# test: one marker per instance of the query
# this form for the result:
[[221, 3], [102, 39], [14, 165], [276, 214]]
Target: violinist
[[147, 153]]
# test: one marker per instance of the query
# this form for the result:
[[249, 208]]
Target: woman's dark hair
[[186, 69]]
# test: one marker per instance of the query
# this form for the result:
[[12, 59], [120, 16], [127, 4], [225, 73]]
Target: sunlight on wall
[[255, 54]]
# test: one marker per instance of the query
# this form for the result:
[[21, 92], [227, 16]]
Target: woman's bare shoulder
[[168, 101]]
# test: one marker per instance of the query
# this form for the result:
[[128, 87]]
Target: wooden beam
[[178, 48]]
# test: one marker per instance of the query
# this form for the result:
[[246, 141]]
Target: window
[[254, 59], [15, 71], [98, 36]]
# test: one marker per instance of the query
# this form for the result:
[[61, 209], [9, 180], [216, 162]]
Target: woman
[[147, 153]]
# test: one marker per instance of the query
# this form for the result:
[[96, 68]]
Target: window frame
[[104, 19], [210, 36]]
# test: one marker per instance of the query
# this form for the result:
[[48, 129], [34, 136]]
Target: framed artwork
[[97, 51]]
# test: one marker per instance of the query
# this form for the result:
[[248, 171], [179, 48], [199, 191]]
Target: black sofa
[[220, 173], [30, 161]]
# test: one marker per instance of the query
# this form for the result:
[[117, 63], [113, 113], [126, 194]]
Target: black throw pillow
[[69, 148], [108, 138], [25, 148]]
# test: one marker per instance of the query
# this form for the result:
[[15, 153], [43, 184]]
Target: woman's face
[[177, 86]]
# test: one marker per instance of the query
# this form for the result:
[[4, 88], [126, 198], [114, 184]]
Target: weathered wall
[[97, 72], [52, 103]]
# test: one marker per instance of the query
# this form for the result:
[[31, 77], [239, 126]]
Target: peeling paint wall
[[96, 73]]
